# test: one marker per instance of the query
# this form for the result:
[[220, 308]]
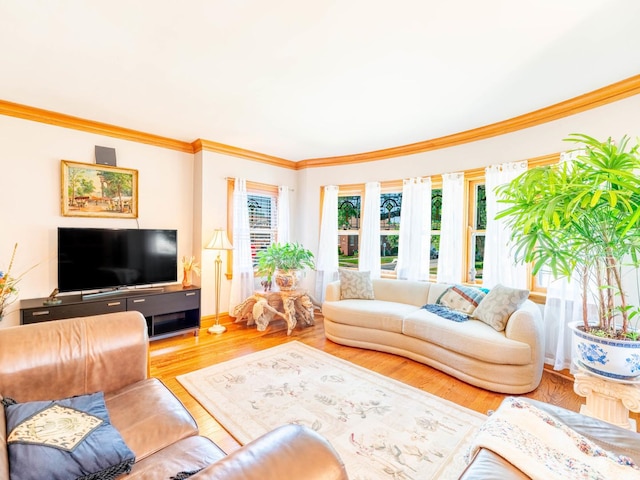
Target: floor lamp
[[219, 242]]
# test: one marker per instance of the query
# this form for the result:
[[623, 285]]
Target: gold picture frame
[[92, 190]]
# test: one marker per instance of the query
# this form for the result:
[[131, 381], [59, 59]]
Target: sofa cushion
[[472, 338], [402, 291], [462, 298], [186, 455], [496, 308], [355, 284], [62, 439], [376, 314], [149, 416]]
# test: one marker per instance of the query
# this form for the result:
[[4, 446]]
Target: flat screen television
[[101, 258]]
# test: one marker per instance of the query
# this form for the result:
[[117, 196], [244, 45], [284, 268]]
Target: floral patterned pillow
[[496, 308], [355, 284]]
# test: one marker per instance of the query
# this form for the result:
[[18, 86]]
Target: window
[[349, 212], [262, 207], [263, 221], [390, 206], [476, 231], [349, 215], [475, 217], [436, 222]]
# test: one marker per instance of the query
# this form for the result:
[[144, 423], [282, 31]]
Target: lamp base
[[216, 329]]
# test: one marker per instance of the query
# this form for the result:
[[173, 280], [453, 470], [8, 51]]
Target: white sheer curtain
[[415, 230], [242, 285], [499, 263], [284, 209], [327, 259], [563, 306], [450, 259], [369, 255]]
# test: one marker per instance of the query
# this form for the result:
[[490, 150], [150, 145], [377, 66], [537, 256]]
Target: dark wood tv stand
[[169, 310]]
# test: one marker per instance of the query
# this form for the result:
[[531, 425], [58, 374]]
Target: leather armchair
[[109, 353]]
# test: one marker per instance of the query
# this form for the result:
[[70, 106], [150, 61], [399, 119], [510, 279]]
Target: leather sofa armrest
[[290, 451], [63, 358]]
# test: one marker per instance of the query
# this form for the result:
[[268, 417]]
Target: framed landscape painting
[[92, 190]]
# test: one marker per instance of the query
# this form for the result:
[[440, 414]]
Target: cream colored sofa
[[510, 361]]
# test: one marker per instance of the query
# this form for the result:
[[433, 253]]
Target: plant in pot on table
[[581, 219], [284, 261]]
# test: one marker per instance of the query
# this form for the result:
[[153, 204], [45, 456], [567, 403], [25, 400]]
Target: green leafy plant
[[283, 256], [582, 218]]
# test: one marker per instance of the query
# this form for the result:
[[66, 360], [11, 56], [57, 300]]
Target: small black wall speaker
[[106, 156]]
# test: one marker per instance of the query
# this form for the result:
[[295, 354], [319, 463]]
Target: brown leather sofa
[[487, 465], [109, 353]]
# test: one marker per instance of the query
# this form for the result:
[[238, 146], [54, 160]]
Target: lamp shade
[[220, 241]]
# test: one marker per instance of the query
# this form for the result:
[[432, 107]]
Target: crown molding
[[611, 93], [68, 121], [211, 146]]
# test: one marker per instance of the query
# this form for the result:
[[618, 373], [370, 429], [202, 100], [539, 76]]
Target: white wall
[[613, 120], [30, 188], [189, 192], [216, 168]]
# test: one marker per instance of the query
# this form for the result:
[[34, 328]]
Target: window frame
[[253, 188], [358, 189], [472, 178]]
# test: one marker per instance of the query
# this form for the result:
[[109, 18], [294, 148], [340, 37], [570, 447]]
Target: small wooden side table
[[608, 400], [262, 307]]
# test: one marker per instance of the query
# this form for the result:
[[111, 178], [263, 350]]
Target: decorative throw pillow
[[496, 308], [355, 284], [461, 298], [63, 439]]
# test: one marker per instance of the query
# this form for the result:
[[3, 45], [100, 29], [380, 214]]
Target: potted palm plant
[[284, 261], [581, 219]]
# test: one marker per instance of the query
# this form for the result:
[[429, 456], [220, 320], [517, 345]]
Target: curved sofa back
[[408, 292], [393, 290]]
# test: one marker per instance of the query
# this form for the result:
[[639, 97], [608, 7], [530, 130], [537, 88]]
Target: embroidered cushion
[[496, 308], [461, 298], [65, 439], [355, 284]]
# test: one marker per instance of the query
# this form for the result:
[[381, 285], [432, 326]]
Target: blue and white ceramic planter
[[615, 359]]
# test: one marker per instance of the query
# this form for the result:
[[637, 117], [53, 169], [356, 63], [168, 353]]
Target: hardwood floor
[[178, 355]]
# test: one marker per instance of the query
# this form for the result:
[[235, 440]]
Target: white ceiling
[[301, 79]]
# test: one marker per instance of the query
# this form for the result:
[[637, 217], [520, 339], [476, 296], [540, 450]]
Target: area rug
[[382, 428]]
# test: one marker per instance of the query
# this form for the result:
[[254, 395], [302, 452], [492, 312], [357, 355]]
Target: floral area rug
[[382, 428]]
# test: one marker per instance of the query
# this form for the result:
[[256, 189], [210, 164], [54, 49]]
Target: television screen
[[100, 258]]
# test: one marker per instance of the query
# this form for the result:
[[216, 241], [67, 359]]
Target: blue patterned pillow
[[65, 439], [446, 312], [461, 298]]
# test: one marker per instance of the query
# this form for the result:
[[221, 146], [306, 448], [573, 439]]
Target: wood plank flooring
[[182, 354]]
